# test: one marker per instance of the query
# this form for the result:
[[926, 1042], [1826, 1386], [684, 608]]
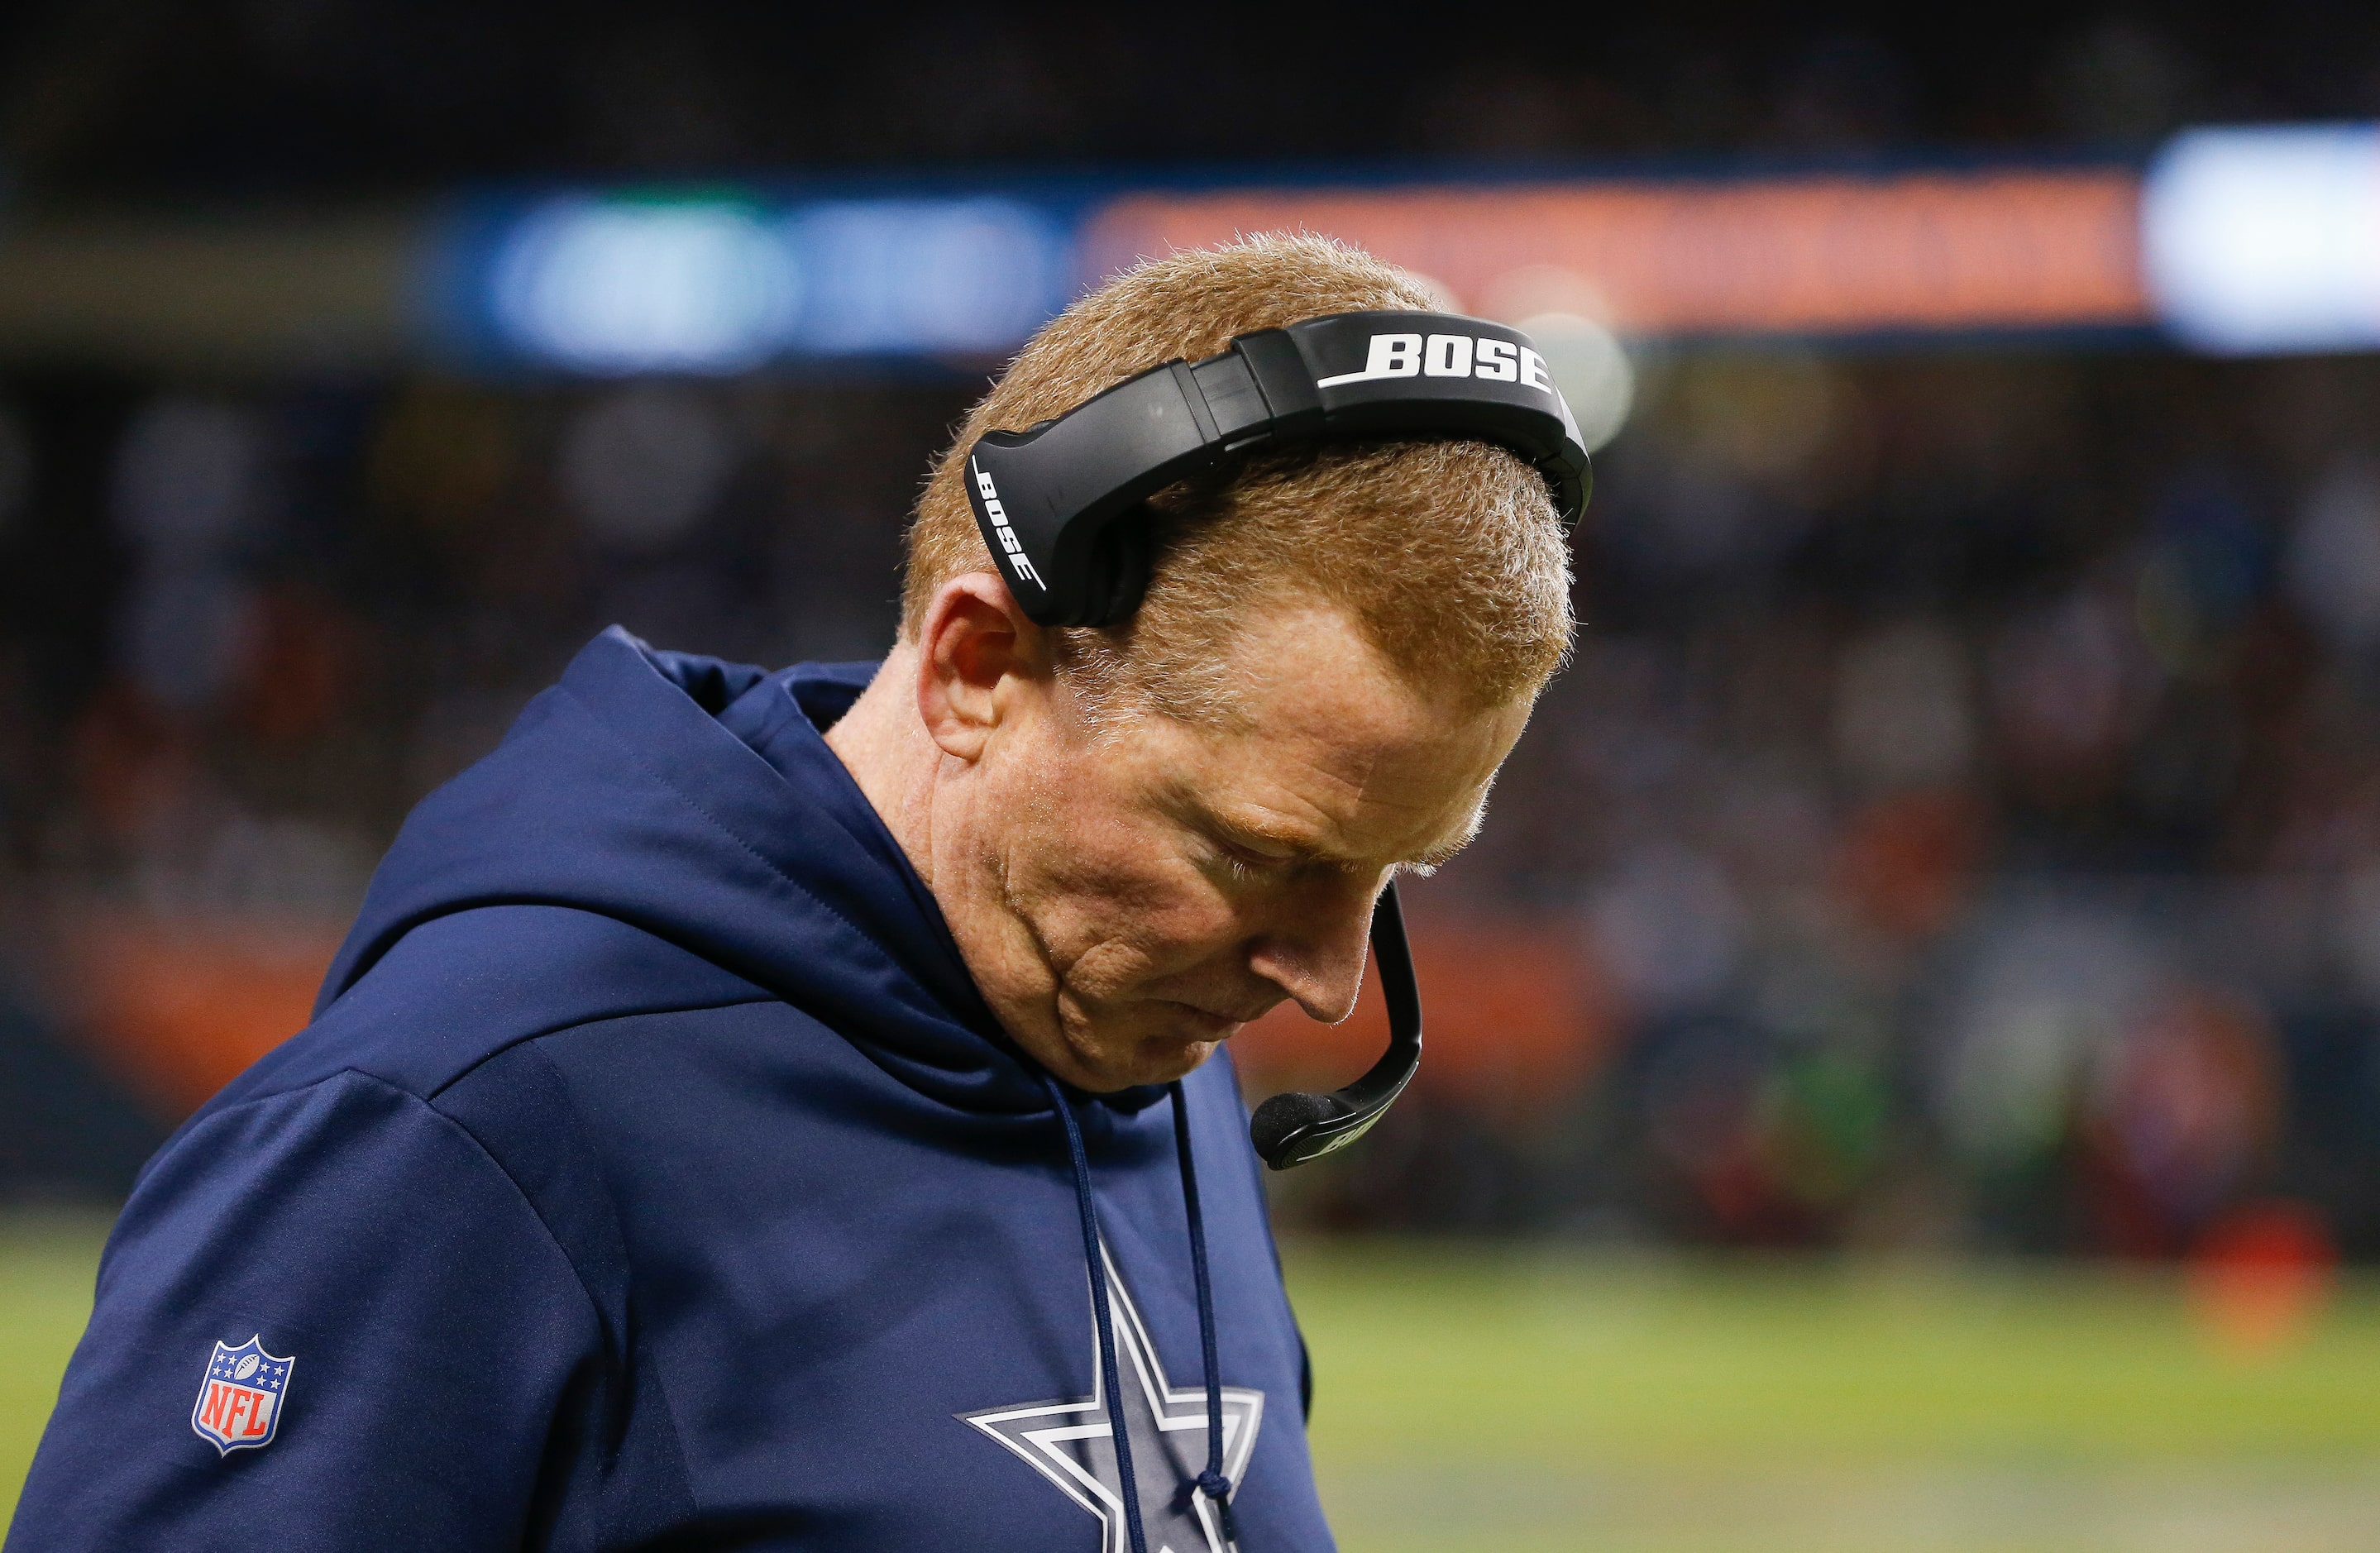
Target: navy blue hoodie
[[653, 1175]]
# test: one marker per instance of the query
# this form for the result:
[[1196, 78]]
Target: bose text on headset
[[1061, 506]]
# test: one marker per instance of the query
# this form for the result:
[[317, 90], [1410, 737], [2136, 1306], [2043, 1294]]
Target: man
[[731, 1084]]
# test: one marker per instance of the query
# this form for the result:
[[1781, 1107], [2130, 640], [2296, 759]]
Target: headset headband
[[1047, 499]]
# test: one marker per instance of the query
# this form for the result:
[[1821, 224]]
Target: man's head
[[1146, 835]]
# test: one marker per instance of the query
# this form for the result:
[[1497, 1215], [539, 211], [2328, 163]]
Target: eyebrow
[[1306, 851]]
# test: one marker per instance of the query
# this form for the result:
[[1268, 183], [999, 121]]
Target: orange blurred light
[[1806, 255], [1514, 1018], [179, 1008], [2260, 1278], [1908, 861]]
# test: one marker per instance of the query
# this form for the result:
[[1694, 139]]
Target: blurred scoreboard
[[2236, 241], [596, 284], [1828, 255]]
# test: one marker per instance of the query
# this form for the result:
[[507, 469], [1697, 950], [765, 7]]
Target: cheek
[[1111, 955], [1064, 820], [1061, 831], [1110, 894], [1088, 892]]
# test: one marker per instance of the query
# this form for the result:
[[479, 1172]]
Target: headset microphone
[[1293, 1127], [1061, 506]]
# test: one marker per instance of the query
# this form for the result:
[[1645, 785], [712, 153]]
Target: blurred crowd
[[1969, 788], [1959, 827], [1961, 821], [241, 633]]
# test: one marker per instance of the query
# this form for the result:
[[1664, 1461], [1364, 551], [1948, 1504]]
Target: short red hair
[[1447, 554]]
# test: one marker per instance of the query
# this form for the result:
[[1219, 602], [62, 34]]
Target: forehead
[[1329, 749]]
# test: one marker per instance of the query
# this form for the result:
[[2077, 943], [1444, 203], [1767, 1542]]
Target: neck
[[928, 799], [883, 743]]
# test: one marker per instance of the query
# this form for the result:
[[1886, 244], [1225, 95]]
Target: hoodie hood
[[651, 1084], [750, 845]]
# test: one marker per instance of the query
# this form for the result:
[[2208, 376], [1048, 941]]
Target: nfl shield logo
[[239, 1402]]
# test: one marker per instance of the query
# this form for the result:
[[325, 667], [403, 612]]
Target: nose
[[1317, 954]]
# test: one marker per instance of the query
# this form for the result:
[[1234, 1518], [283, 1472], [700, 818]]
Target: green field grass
[[46, 1261], [1481, 1397]]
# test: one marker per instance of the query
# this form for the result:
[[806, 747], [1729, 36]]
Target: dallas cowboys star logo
[[1073, 1445]]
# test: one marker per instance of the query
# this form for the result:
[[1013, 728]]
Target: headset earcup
[[1119, 564]]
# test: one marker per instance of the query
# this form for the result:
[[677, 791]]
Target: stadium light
[[598, 286], [2264, 240], [614, 286], [927, 277]]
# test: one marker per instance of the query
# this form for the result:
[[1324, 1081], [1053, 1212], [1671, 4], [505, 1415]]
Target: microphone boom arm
[[1294, 1127]]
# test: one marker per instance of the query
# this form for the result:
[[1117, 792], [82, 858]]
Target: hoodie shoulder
[[460, 988]]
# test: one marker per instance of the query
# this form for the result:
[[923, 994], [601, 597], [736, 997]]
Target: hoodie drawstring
[[1211, 1481], [1126, 1482]]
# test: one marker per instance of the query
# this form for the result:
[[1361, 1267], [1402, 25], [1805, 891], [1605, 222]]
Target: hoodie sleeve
[[415, 1330]]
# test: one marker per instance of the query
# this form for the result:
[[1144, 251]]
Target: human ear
[[975, 650]]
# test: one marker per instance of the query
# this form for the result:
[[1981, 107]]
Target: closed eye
[[1247, 863]]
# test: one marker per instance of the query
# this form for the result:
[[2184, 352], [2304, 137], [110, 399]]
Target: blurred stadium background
[[1906, 1050]]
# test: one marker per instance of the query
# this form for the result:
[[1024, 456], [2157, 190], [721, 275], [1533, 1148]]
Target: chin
[[1162, 1062], [1160, 1057], [1150, 1043]]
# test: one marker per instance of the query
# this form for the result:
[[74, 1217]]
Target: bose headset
[[1061, 506]]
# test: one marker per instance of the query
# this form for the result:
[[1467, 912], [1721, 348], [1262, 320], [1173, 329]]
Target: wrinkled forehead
[[1280, 647], [1323, 736]]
